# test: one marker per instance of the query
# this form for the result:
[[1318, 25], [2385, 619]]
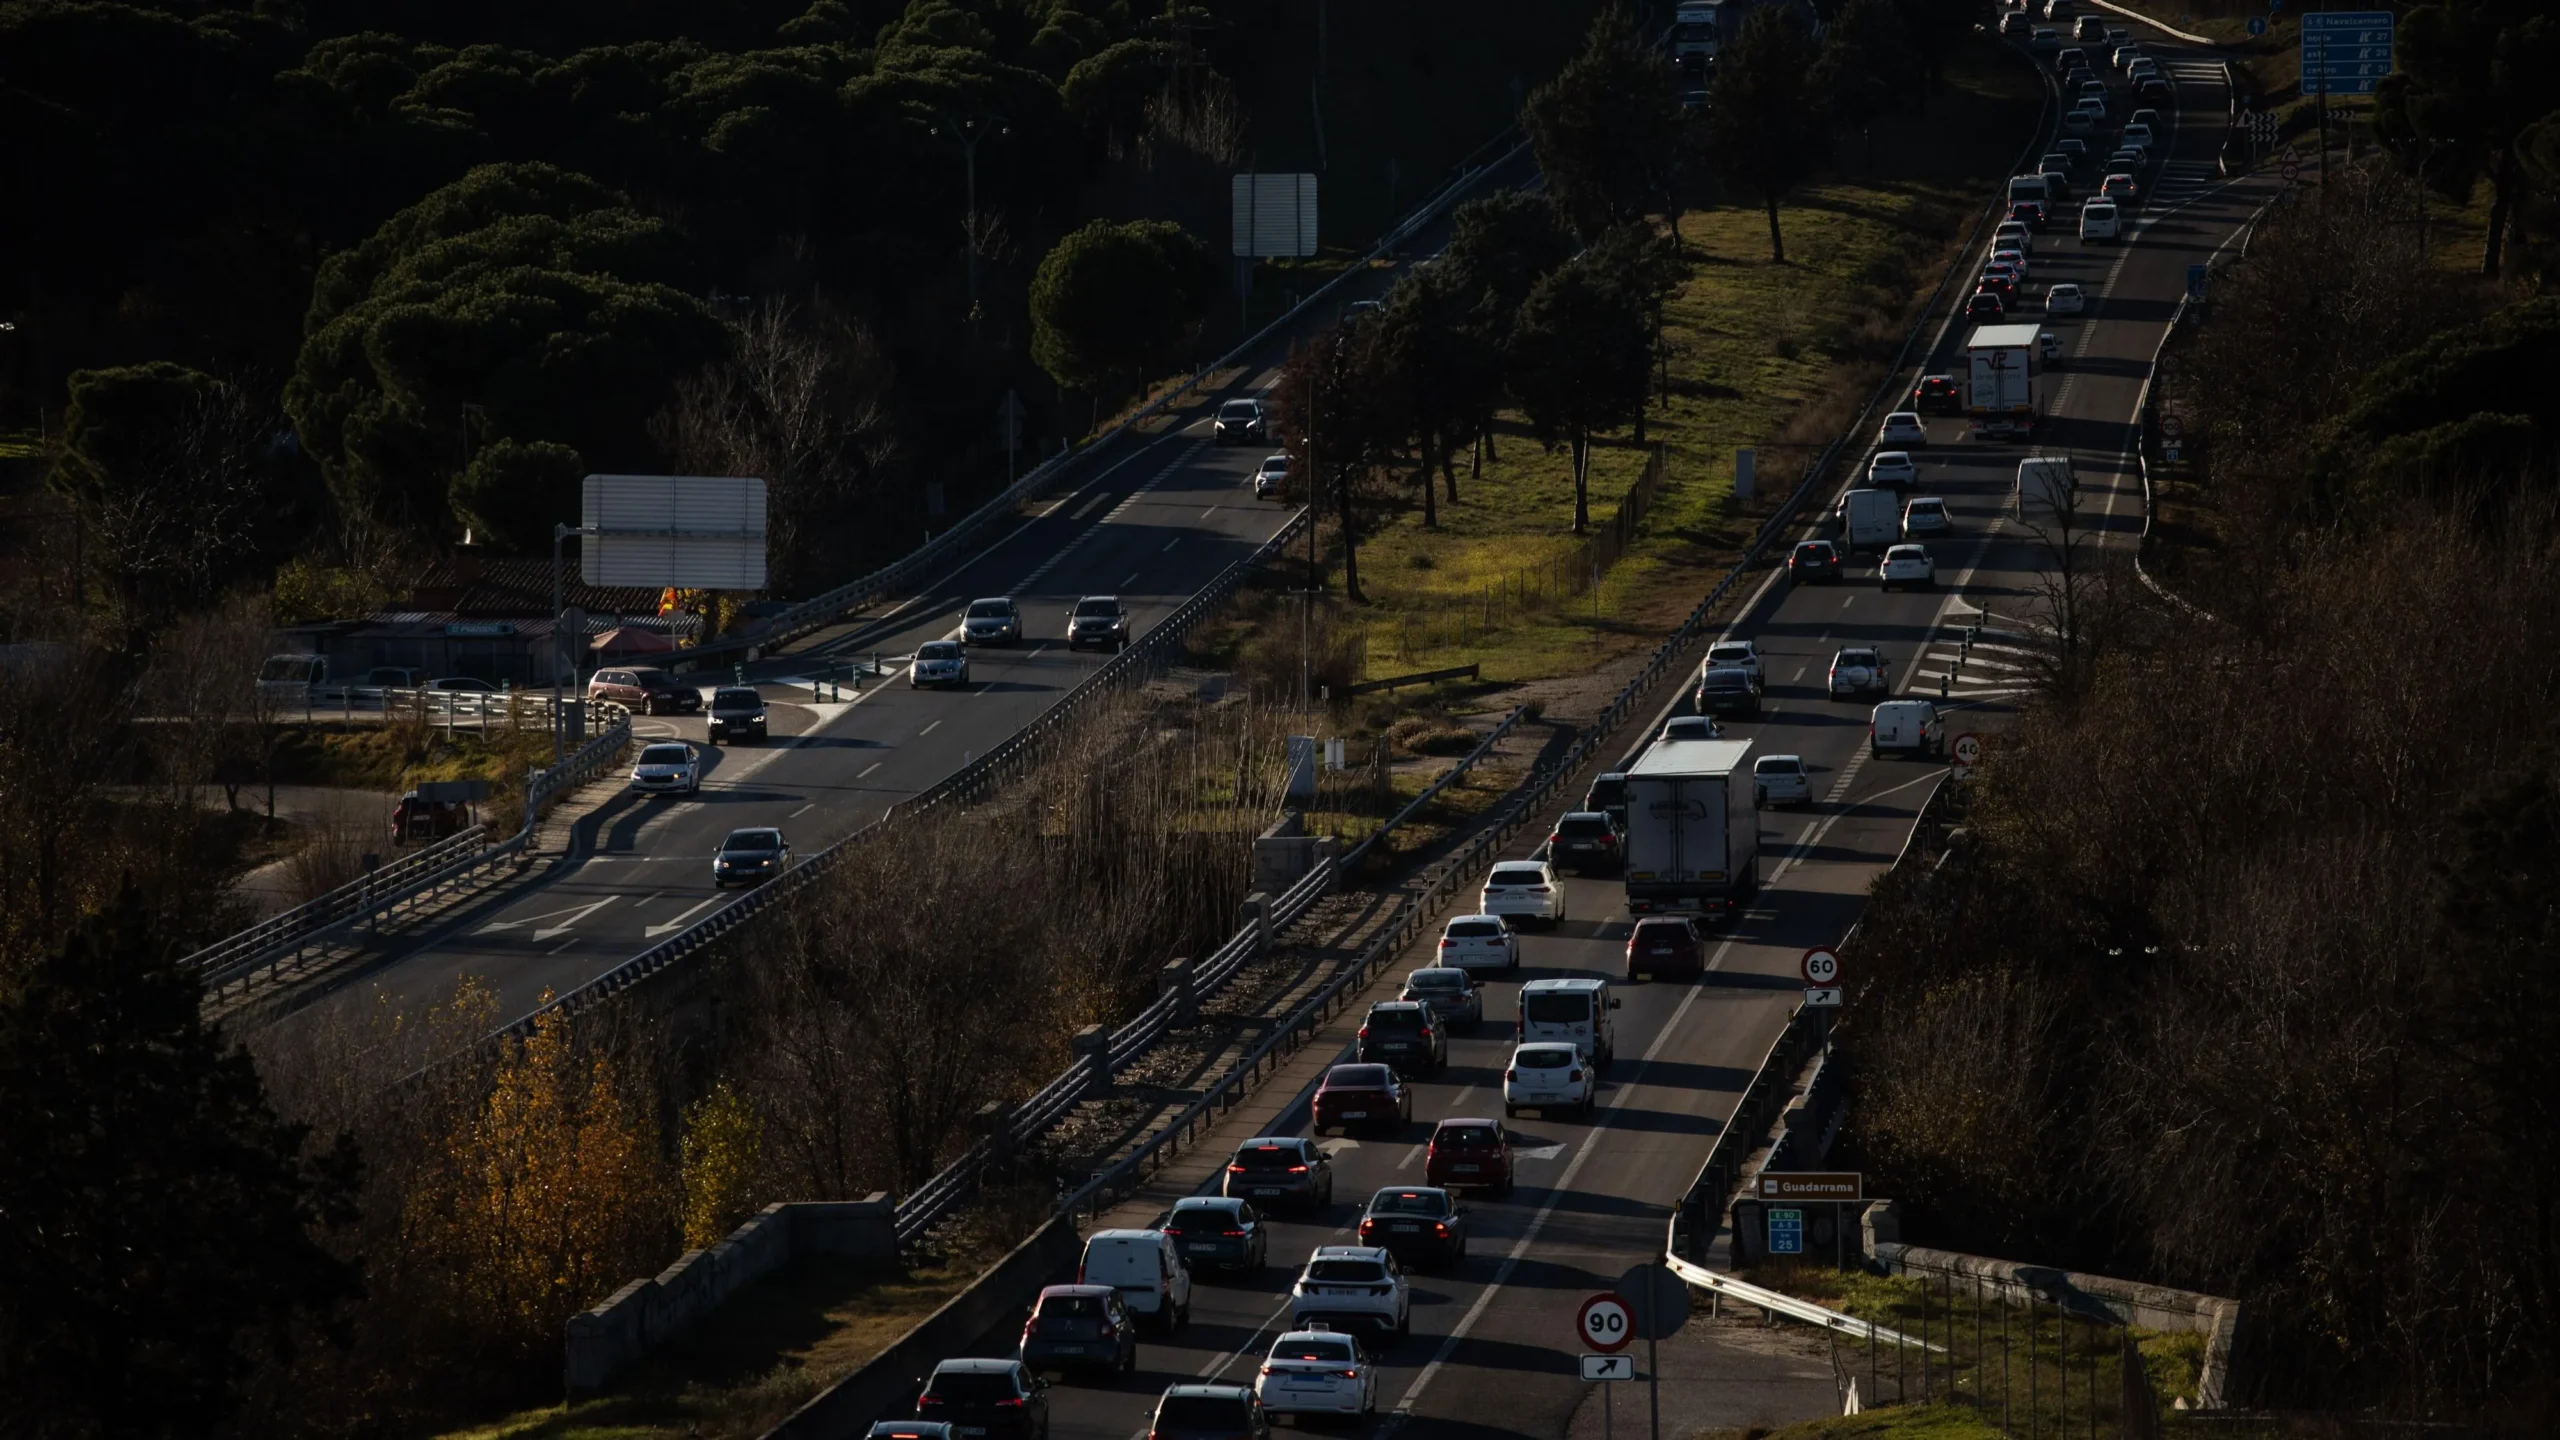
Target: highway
[[1491, 1352]]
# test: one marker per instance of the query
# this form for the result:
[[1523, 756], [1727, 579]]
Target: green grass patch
[[1892, 1422]]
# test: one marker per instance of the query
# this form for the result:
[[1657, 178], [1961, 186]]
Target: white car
[[1523, 890], [1892, 470], [1926, 515], [1546, 1073], [992, 621], [1780, 780], [667, 770], [1272, 478], [2135, 137], [1856, 671], [2065, 299], [2049, 345], [939, 662], [1736, 655], [1692, 727], [1346, 1285], [1478, 942], [1903, 427], [2013, 235], [2013, 257], [1318, 1371], [1907, 565], [2125, 55]]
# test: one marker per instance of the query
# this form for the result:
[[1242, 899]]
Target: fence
[[449, 710]]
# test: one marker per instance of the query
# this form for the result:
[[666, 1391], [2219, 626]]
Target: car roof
[[1396, 1005], [1384, 1190], [974, 1365], [1568, 815], [1207, 1202], [1206, 1392], [1447, 969], [1465, 1120], [1580, 984], [993, 600], [773, 830], [1765, 759], [1152, 1237], [1268, 1140], [1114, 599], [1088, 1291], [1480, 915], [1347, 1252]]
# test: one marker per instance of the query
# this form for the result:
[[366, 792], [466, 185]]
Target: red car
[[1814, 561], [2029, 213], [1366, 1097], [1469, 1151], [1937, 395], [1662, 943]]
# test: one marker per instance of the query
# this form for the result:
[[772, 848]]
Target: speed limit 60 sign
[[1606, 1323], [1821, 966]]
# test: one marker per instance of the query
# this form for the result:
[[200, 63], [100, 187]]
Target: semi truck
[[2004, 375], [1693, 830]]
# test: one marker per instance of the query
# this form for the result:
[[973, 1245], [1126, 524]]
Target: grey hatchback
[[1276, 1170], [1079, 1329], [1218, 1232], [1449, 991]]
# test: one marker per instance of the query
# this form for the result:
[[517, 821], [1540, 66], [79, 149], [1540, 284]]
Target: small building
[[486, 618]]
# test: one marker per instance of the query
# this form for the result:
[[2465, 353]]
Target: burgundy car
[[1366, 1097], [1469, 1151], [1666, 944], [1814, 560]]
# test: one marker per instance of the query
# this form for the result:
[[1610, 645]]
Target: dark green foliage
[[1113, 301], [1108, 93], [1577, 363], [1765, 132], [2473, 77], [1864, 72], [516, 490], [1504, 244], [159, 1226], [1441, 378], [2505, 364], [1606, 130]]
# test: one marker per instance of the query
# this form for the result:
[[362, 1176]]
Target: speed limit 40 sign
[[1606, 1323]]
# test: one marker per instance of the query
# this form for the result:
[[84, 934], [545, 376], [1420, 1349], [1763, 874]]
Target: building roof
[[470, 585]]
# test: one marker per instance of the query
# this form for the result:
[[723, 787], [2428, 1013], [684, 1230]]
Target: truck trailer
[[1693, 830], [2004, 381]]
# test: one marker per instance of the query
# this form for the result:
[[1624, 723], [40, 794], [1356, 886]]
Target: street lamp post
[[559, 642], [970, 132]]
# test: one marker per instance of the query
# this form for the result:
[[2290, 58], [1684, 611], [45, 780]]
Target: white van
[[1574, 1012], [2045, 489], [1907, 727], [1146, 1268], [1869, 519], [2028, 187], [2098, 220]]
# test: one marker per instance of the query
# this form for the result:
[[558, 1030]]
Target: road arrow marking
[[654, 931], [576, 914]]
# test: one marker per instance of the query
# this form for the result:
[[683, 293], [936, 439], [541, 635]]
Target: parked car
[[1418, 1224], [1467, 1150], [1209, 1412], [645, 689], [1906, 565], [1814, 562], [1277, 1170], [1546, 1074], [472, 685], [669, 769], [1479, 942], [1926, 515], [939, 663], [1903, 427], [1939, 394], [999, 1399], [394, 677], [1780, 780], [1315, 1372], [1079, 1329], [1666, 943], [1098, 621], [1239, 421], [1740, 655], [1146, 1268], [1363, 1096], [994, 620], [1450, 992], [737, 713], [1218, 1233], [1403, 1034], [414, 818], [1348, 1286], [1523, 891], [1727, 691], [1857, 670], [1907, 727], [1588, 841], [1271, 478], [750, 856]]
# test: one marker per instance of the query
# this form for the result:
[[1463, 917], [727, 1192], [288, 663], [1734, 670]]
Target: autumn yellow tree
[[723, 1142]]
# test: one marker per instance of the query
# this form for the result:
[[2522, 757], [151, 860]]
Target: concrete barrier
[[645, 1314], [886, 1387]]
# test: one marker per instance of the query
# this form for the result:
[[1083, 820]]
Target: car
[[2078, 122], [2053, 160], [1780, 780], [2089, 27], [1570, 1010], [1814, 562], [911, 1430], [1986, 305], [1939, 394], [2098, 221], [1416, 1224], [1666, 942], [1466, 1150], [1588, 841], [2119, 188], [1271, 478], [2092, 110], [2016, 260], [1098, 621], [2030, 213], [2091, 90], [1608, 794], [669, 769], [1319, 1371], [1239, 421], [939, 662], [1737, 655], [2154, 89], [2057, 9], [1857, 670], [1449, 991], [2044, 41], [1523, 892], [2065, 299], [1404, 1034], [394, 677], [1907, 727], [1352, 1285], [1367, 1097], [2075, 153], [1727, 691], [2129, 160], [415, 818], [1481, 942], [994, 620], [470, 685], [1215, 1232], [1691, 727], [1907, 565], [737, 711], [1079, 1329], [2124, 55], [1147, 1268], [2015, 23], [2145, 116], [2049, 345], [2143, 68], [1208, 1412], [999, 1399], [1925, 515], [750, 856], [2137, 137], [1546, 1074], [647, 690], [1277, 1170], [2009, 235], [2002, 276], [1903, 427], [1695, 97], [1892, 470]]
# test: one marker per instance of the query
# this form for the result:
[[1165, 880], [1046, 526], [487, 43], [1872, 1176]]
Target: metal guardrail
[[1419, 677], [336, 905], [1431, 792], [456, 709]]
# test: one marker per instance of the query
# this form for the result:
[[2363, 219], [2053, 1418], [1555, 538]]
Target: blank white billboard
[[1273, 215], [691, 531]]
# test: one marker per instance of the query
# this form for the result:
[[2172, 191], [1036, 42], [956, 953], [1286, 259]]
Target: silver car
[[1450, 992], [939, 662], [671, 769], [992, 621], [1857, 671], [1780, 780]]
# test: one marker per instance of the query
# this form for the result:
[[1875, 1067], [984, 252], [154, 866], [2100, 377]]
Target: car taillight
[[928, 1401], [1348, 1374], [1364, 1032], [1366, 1225], [1573, 1074], [1438, 1228], [1535, 889], [1266, 1369], [1232, 1170], [1232, 1234], [1446, 942], [1297, 1169], [1552, 839], [1011, 1401], [1510, 1074]]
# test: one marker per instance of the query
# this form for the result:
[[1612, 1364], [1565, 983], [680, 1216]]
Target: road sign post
[[1606, 1323], [1661, 1304], [1786, 1230], [1966, 753]]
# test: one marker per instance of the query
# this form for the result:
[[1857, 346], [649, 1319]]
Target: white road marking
[[575, 913], [654, 931], [1169, 544], [927, 730], [803, 810], [866, 773], [1125, 584]]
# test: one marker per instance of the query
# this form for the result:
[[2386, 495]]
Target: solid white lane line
[[803, 810], [1169, 544], [929, 729], [866, 771], [1132, 579], [654, 931]]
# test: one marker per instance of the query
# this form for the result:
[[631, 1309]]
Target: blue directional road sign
[[1786, 1232], [2345, 52], [2257, 24], [2195, 282]]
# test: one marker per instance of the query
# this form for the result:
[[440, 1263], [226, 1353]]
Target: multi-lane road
[[1490, 1351]]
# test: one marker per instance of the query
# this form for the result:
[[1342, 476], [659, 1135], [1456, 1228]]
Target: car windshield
[[990, 609], [1551, 1009], [1474, 930], [1927, 507], [1518, 875], [1556, 1058], [1730, 654], [972, 1385], [1409, 1202], [1356, 1077], [1465, 1135], [663, 755], [1436, 981], [1203, 1219], [1401, 1017], [736, 699], [1095, 607], [1368, 1270], [1727, 680], [1267, 1157], [1237, 410], [939, 650], [1335, 1352], [1202, 1412], [1587, 828], [1778, 765], [753, 840]]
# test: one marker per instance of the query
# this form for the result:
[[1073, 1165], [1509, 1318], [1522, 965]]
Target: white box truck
[[1693, 830], [1696, 31], [2003, 374], [2044, 490], [1869, 520]]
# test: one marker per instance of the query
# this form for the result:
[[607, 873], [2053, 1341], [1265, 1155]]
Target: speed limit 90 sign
[[1606, 1323]]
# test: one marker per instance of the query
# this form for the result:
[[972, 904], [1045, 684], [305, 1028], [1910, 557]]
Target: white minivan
[[1573, 1012], [2098, 220], [1146, 1268], [1907, 727]]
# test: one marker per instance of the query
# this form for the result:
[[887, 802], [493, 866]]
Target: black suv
[[1098, 621], [1588, 840], [1608, 794], [999, 1399], [1402, 1033], [737, 711], [1727, 692]]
